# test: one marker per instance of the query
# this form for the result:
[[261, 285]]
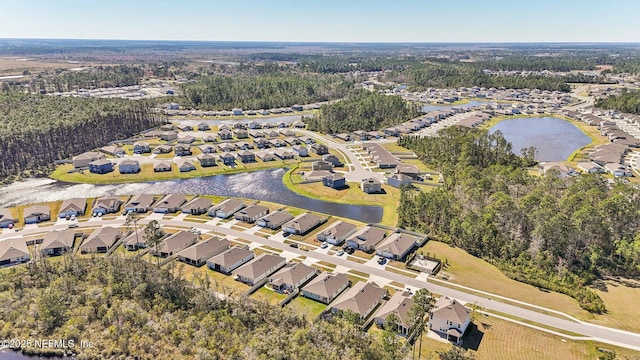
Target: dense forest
[[539, 63], [262, 91], [35, 130], [628, 102], [130, 308], [362, 110], [99, 77], [555, 233]]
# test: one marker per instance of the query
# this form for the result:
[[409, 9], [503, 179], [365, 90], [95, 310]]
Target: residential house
[[57, 242], [617, 170], [203, 126], [185, 127], [326, 287], [361, 135], [129, 166], [247, 156], [135, 240], [590, 167], [397, 180], [321, 165], [291, 277], [371, 186], [259, 268], [292, 141], [361, 299], [83, 160], [307, 140], [6, 218], [161, 166], [230, 259], [316, 175], [101, 166], [283, 154], [399, 305], [197, 206], [257, 134], [300, 150], [13, 251], [207, 149], [397, 246], [276, 143], [139, 203], [409, 170], [167, 127], [254, 125], [343, 137], [450, 318], [141, 147], [207, 160], [182, 150], [241, 133], [243, 145], [174, 243], [367, 238], [226, 208], [320, 149], [237, 111], [265, 156], [100, 240], [334, 181], [169, 135], [162, 149], [185, 165], [251, 213], [261, 143], [228, 159], [198, 254], [209, 138], [112, 150], [72, 207], [275, 219], [332, 159], [106, 205], [303, 224], [225, 134], [170, 203], [338, 233], [226, 147], [36, 213]]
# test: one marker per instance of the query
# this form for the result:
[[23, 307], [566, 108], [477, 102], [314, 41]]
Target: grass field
[[269, 296], [309, 308]]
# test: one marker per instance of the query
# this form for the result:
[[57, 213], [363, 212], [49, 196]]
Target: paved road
[[599, 333]]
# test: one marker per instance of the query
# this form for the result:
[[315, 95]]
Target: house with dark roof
[[225, 134], [397, 180], [207, 160], [230, 259], [197, 206], [198, 254], [36, 213], [303, 224], [321, 165], [275, 219], [203, 126], [367, 238], [338, 233], [291, 277], [450, 319], [247, 156], [6, 218], [135, 240], [319, 149], [13, 252], [251, 213], [72, 207], [397, 246], [170, 203], [227, 159], [174, 243], [106, 205], [139, 203], [259, 268], [326, 287], [57, 242], [129, 166], [226, 208], [332, 159], [399, 305], [362, 298], [100, 240], [335, 181], [101, 166]]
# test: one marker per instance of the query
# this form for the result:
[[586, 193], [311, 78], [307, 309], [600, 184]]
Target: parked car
[[294, 245], [324, 245], [382, 261], [340, 253], [72, 225]]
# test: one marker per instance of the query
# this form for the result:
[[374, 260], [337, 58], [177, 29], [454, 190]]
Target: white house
[[450, 319]]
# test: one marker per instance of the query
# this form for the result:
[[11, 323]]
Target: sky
[[325, 20]]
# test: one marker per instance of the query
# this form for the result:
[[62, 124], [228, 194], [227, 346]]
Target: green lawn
[[307, 307], [269, 296]]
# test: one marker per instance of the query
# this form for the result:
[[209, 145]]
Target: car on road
[[72, 218], [195, 231], [340, 253], [304, 248], [72, 225], [294, 245]]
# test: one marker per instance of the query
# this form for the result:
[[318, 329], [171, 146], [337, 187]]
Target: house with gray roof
[[275, 219], [367, 238], [397, 180], [338, 233], [6, 218], [399, 305], [397, 246], [251, 213], [198, 254], [170, 203], [36, 213], [72, 207], [57, 242], [129, 166], [135, 240], [207, 160], [291, 277], [230, 259], [197, 206], [83, 160], [362, 298], [100, 240], [303, 224], [226, 208], [450, 318], [139, 203], [174, 243], [106, 205], [259, 268], [13, 252], [326, 287]]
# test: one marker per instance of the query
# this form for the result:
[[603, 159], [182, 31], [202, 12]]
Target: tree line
[[264, 91], [628, 102], [362, 110], [561, 234], [91, 78], [35, 130]]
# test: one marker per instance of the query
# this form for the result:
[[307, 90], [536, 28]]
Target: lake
[[16, 355], [258, 185], [555, 139]]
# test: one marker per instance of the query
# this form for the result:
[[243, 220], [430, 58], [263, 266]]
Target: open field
[[493, 338], [309, 308], [269, 296]]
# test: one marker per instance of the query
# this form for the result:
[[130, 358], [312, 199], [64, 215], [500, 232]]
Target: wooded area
[[266, 91], [129, 308], [629, 102], [362, 110], [35, 130], [556, 233]]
